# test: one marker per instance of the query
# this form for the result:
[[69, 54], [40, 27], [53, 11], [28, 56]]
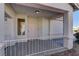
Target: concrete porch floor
[[72, 52]]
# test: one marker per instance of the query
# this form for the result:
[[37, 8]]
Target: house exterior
[[36, 28]]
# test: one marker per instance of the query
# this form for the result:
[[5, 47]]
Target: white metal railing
[[25, 46]]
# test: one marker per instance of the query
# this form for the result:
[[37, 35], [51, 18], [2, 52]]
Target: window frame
[[25, 18]]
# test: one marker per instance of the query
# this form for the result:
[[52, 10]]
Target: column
[[68, 33]]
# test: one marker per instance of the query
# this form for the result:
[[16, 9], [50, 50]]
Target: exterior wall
[[38, 25], [45, 28], [10, 25], [33, 27], [1, 29], [56, 28], [42, 27], [1, 22]]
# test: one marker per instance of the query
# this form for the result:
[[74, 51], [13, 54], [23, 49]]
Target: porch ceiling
[[20, 9]]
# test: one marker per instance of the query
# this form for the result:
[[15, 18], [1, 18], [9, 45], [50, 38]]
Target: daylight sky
[[76, 19]]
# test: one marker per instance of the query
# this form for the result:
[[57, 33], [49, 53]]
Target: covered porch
[[35, 29]]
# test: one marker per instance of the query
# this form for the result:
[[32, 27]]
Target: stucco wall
[[56, 28], [10, 21], [10, 26], [45, 28], [1, 22], [1, 29]]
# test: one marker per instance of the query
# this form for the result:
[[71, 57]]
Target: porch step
[[50, 52]]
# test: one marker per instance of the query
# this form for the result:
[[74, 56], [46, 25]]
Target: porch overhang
[[41, 6]]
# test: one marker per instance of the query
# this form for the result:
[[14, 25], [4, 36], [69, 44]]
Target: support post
[[68, 33]]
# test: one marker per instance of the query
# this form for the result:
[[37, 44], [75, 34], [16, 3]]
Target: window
[[21, 26]]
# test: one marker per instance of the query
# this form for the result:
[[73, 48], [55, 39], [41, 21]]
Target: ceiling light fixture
[[37, 11]]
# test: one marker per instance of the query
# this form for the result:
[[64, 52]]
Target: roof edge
[[75, 6]]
